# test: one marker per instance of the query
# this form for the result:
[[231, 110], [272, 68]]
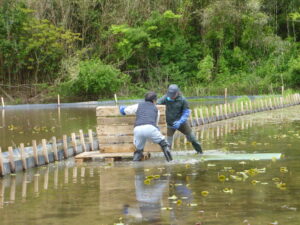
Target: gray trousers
[[146, 132]]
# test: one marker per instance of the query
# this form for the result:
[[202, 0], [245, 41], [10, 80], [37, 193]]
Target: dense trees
[[96, 47]]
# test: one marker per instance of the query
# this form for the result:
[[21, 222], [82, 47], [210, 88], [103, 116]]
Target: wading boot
[[195, 143], [138, 155], [166, 150]]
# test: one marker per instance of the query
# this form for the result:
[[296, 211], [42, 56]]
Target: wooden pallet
[[110, 157]]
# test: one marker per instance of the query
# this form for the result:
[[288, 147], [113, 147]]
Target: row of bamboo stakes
[[203, 115], [27, 179], [74, 143], [40, 179]]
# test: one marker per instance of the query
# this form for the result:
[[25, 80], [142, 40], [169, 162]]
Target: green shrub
[[95, 78]]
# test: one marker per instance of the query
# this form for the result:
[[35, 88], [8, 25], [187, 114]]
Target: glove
[[122, 110], [176, 124], [185, 115]]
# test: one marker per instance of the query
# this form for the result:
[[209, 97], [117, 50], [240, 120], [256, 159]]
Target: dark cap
[[150, 96], [173, 90]]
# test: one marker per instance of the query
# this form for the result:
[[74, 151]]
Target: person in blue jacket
[[177, 114]]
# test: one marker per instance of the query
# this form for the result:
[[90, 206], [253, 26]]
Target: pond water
[[188, 190]]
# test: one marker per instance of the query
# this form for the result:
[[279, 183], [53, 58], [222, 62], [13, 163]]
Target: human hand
[[122, 110], [176, 124]]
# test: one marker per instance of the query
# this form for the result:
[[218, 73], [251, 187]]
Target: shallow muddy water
[[189, 190]]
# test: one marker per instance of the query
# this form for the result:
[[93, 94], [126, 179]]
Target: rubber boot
[[195, 143], [138, 155], [166, 150]]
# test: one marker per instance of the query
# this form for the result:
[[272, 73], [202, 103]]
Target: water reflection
[[149, 199]]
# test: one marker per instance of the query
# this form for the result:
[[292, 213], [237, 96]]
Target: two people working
[[147, 117]]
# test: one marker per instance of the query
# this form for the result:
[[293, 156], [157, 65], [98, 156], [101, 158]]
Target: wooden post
[[45, 151], [91, 140], [282, 90], [65, 146], [242, 108], [225, 111], [82, 141], [201, 115], [207, 113], [271, 104], [74, 143], [196, 115], [233, 109], [54, 148], [246, 106], [1, 164], [35, 153], [116, 99], [46, 179], [225, 95], [24, 186], [250, 104], [23, 157], [2, 101], [191, 119], [11, 159], [217, 112], [58, 100], [221, 111]]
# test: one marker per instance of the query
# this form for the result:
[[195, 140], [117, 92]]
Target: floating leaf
[[276, 179], [242, 163], [204, 193], [147, 181], [173, 197], [166, 208], [179, 202], [192, 204], [283, 170], [228, 190], [188, 166], [156, 176], [281, 186], [237, 178], [222, 178], [255, 182]]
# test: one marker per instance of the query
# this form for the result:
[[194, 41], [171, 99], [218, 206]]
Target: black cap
[[150, 96], [173, 90]]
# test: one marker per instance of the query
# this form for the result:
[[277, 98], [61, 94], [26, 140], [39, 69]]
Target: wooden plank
[[121, 130], [91, 140], [115, 139], [65, 146], [23, 156], [74, 143], [82, 142], [114, 110], [11, 159], [116, 148], [54, 148], [35, 153], [45, 151], [124, 120]]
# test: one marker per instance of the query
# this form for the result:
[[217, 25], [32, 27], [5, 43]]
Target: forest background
[[91, 49]]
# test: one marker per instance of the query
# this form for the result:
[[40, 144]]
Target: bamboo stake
[[1, 163], [82, 141], [74, 143], [225, 95], [54, 148], [12, 195], [24, 186], [196, 115], [217, 112], [58, 100], [116, 99], [65, 146], [91, 140], [201, 115], [207, 113], [35, 153], [2, 101], [242, 107], [66, 175], [45, 151], [221, 111], [46, 179], [225, 111], [23, 157], [11, 159]]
